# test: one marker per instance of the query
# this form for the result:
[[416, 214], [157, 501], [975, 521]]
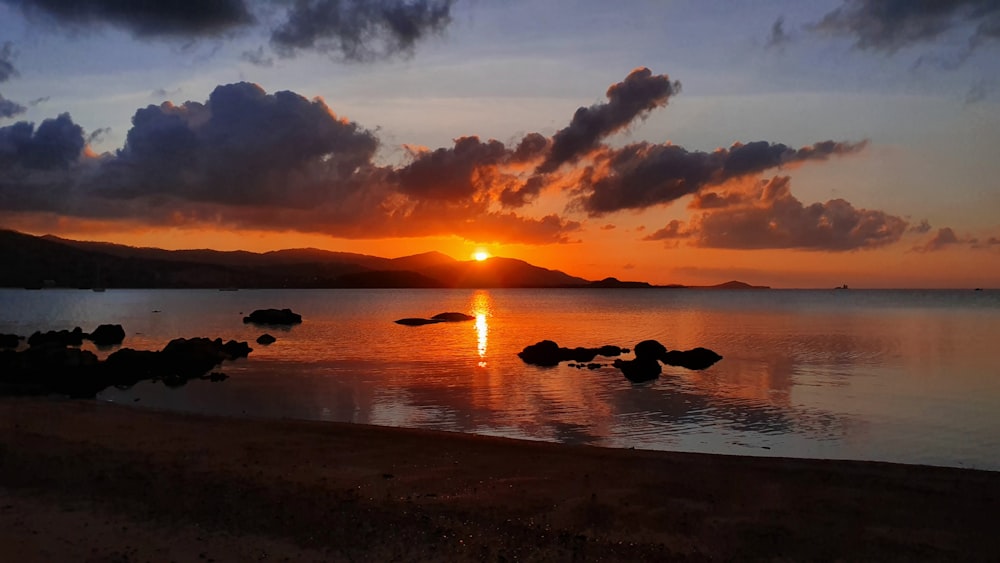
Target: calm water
[[906, 376]]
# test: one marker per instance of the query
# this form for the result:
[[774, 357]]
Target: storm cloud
[[241, 147], [770, 217], [890, 25], [9, 108], [7, 68], [360, 30], [181, 18], [634, 97], [55, 145], [643, 175]]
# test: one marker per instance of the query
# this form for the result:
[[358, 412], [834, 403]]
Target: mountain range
[[30, 261]]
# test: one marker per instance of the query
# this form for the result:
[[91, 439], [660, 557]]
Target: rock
[[410, 321], [697, 358], [649, 349], [452, 317], [10, 340], [57, 338], [266, 339], [639, 369], [107, 335], [594, 366], [548, 353], [216, 376], [544, 353], [273, 317]]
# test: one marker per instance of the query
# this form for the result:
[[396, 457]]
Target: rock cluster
[[438, 318], [273, 317], [644, 367]]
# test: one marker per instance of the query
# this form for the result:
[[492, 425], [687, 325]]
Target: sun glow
[[480, 255]]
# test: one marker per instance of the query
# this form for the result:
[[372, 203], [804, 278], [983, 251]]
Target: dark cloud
[[778, 37], [243, 147], [55, 145], [452, 173], [923, 227], [642, 175], [144, 18], [257, 57], [38, 101], [248, 159], [634, 97], [890, 25], [360, 30], [9, 108], [771, 217], [7, 69], [946, 238]]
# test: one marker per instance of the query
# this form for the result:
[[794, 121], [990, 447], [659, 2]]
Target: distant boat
[[978, 289], [842, 287]]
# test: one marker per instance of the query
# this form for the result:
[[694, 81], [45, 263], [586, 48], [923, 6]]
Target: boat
[[842, 287]]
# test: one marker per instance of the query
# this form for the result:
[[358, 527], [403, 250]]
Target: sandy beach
[[90, 481]]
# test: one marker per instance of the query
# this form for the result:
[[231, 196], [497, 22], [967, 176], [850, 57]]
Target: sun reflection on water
[[482, 307]]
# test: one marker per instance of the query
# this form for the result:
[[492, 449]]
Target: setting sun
[[480, 255]]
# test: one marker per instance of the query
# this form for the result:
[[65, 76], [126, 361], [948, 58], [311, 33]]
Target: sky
[[781, 143]]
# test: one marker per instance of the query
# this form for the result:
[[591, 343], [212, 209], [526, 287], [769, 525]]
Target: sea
[[910, 376]]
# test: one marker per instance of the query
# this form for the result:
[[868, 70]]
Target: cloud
[[924, 226], [643, 175], [634, 97], [451, 173], [946, 238], [55, 145], [778, 37], [9, 108], [143, 19], [888, 26], [258, 58], [359, 30], [7, 69], [771, 217]]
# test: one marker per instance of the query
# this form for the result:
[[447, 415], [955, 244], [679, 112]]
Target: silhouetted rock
[[410, 321], [548, 353], [649, 349], [57, 338], [10, 340], [273, 317], [544, 353], [107, 335], [639, 369], [452, 317], [266, 339], [697, 359], [51, 368]]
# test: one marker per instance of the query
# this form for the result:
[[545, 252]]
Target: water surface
[[906, 376]]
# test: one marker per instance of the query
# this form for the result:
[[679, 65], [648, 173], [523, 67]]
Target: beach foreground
[[89, 481]]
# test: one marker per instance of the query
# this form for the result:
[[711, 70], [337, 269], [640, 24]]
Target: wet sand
[[88, 481]]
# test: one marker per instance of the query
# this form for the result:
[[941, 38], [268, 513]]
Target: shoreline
[[85, 479]]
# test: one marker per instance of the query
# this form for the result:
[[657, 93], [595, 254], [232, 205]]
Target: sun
[[480, 255]]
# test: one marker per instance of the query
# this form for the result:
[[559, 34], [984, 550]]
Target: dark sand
[[85, 481]]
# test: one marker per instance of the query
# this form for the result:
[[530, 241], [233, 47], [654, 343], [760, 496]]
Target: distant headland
[[43, 262]]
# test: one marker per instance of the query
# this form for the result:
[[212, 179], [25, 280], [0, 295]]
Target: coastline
[[82, 480]]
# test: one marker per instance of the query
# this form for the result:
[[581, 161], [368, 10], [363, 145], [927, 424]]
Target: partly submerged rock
[[10, 340], [452, 317], [438, 318], [649, 349], [639, 369], [412, 321], [266, 339], [107, 335], [273, 317], [548, 353], [696, 359], [57, 338]]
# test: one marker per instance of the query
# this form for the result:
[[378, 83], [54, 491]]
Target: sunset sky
[[785, 143]]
